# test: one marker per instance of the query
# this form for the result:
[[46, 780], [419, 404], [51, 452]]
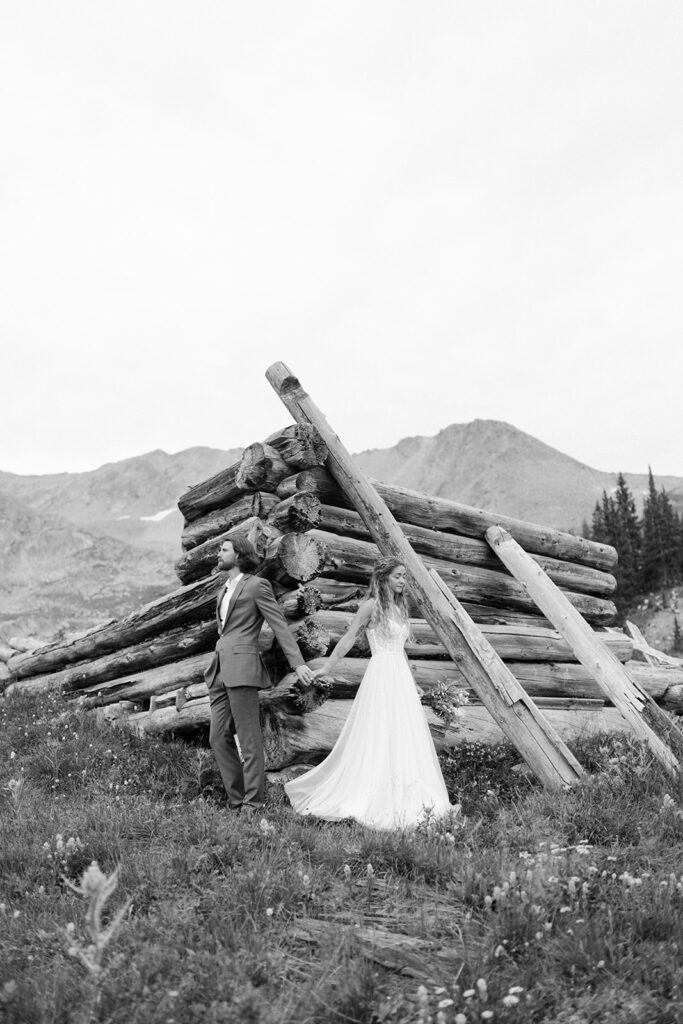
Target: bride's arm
[[346, 642]]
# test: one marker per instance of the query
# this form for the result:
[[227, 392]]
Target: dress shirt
[[225, 602]]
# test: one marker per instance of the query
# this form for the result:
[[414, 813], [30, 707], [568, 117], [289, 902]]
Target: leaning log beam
[[453, 517], [648, 722], [495, 685]]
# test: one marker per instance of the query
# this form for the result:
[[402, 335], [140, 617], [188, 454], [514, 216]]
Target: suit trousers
[[235, 709]]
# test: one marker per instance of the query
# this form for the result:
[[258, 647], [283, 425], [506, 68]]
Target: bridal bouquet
[[446, 701]]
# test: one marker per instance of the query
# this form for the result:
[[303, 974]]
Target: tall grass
[[537, 907]]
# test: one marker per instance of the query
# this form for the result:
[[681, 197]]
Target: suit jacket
[[236, 661]]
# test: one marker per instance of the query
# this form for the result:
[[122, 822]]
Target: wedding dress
[[383, 770]]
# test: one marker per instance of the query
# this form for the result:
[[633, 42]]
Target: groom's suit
[[234, 677]]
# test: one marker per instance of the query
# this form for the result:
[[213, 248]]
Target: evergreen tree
[[678, 636], [628, 542], [661, 548]]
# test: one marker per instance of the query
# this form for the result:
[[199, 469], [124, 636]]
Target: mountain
[[57, 576], [81, 547], [134, 500], [494, 465]]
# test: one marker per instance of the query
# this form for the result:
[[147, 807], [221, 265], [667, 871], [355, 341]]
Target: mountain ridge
[[113, 533]]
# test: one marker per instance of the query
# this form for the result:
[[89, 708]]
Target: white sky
[[431, 211]]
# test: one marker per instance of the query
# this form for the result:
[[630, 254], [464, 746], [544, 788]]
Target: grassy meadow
[[524, 907]]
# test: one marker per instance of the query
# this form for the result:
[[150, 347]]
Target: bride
[[383, 770]]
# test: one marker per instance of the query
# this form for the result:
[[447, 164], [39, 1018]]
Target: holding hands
[[304, 674]]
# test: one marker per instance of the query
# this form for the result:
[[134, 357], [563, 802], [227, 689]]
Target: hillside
[[56, 576], [82, 547]]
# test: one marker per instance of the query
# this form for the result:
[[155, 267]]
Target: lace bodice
[[388, 638]]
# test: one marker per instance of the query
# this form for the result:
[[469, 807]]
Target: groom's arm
[[272, 613]]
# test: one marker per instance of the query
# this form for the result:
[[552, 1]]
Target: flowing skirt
[[383, 770]]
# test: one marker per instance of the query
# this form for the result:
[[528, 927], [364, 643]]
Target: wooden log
[[261, 468], [219, 491], [495, 685], [291, 559], [511, 642], [260, 464], [297, 514], [539, 679], [140, 686], [223, 519], [320, 593], [449, 547], [164, 648], [182, 607], [299, 445], [348, 559], [453, 517], [310, 737], [647, 721], [324, 592], [202, 560], [650, 654]]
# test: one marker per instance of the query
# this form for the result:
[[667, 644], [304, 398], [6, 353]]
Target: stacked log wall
[[147, 669]]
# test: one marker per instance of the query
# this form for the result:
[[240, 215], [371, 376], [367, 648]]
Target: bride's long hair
[[385, 599]]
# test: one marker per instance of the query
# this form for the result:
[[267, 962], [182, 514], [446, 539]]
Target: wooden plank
[[509, 705], [647, 721]]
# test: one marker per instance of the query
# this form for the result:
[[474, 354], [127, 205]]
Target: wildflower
[[487, 1014], [499, 951], [510, 1000], [460, 1018], [269, 911], [515, 990], [482, 990], [347, 872], [443, 1003], [469, 993], [370, 871]]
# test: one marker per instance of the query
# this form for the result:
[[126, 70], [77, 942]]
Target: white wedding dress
[[383, 770]]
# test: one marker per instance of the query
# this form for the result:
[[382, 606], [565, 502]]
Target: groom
[[236, 674]]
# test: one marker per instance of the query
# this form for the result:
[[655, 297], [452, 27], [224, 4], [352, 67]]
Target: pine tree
[[678, 636], [628, 542], [661, 550], [653, 540]]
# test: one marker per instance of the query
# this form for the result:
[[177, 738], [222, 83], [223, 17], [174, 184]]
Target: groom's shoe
[[252, 810]]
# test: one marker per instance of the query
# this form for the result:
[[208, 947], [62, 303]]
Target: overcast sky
[[431, 211]]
